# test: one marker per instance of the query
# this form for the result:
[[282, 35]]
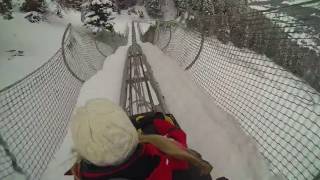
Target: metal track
[[140, 93]]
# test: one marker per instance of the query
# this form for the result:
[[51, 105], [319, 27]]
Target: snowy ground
[[144, 26], [291, 2], [26, 46], [256, 91], [121, 21], [211, 131], [305, 36], [305, 17], [38, 42], [105, 84], [279, 3]]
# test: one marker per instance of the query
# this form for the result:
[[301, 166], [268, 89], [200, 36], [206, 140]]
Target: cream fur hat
[[102, 133]]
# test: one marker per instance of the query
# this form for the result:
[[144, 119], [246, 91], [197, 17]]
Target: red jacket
[[163, 170], [167, 164]]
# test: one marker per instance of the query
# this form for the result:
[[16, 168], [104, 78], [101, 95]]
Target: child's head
[[102, 133]]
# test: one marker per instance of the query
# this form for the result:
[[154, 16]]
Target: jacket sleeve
[[167, 129]]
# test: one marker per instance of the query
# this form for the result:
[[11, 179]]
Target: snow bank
[[260, 8], [105, 84], [73, 17], [121, 23], [292, 2], [138, 38], [211, 131], [144, 26], [37, 42]]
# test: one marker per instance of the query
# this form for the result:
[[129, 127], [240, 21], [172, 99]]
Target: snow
[[287, 2], [144, 26], [238, 79], [121, 21], [62, 162], [105, 84], [100, 2], [292, 2], [304, 33], [16, 4], [73, 17], [315, 15], [260, 8], [169, 10], [211, 131], [315, 5], [302, 38], [38, 41], [143, 9], [93, 18], [258, 1], [106, 2]]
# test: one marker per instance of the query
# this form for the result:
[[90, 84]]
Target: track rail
[[140, 92]]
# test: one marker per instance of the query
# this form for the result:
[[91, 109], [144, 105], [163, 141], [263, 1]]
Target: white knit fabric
[[102, 133]]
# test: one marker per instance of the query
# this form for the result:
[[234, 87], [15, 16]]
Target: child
[[109, 146]]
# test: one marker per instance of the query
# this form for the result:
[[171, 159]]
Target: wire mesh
[[81, 54], [184, 46], [263, 68], [34, 116], [108, 42], [35, 111]]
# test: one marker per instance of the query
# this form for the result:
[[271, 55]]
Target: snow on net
[[260, 67]]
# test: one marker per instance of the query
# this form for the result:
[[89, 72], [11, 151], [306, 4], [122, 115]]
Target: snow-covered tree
[[6, 9], [181, 4], [206, 6], [34, 17], [39, 6], [153, 8], [98, 17], [155, 4], [75, 4]]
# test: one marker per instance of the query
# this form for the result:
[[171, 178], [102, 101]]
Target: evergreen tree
[[196, 6], [204, 7], [98, 17], [34, 5], [154, 4], [183, 4], [153, 8], [6, 9]]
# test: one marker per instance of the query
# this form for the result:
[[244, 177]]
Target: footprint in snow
[[14, 53]]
